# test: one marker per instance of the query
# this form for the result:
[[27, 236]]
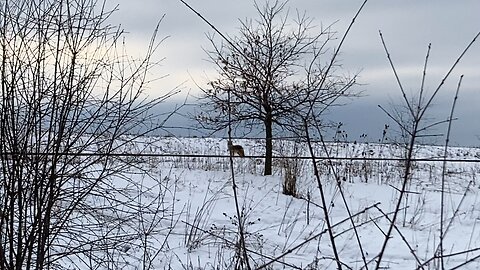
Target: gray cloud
[[408, 26]]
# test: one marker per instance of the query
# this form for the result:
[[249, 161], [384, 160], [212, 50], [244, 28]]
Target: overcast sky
[[408, 27]]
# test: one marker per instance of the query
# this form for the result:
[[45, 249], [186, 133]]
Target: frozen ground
[[200, 230]]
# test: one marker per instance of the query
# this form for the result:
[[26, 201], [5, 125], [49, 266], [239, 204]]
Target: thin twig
[[448, 73], [337, 51], [444, 172], [412, 251], [240, 217], [322, 197], [408, 164], [342, 195], [404, 95]]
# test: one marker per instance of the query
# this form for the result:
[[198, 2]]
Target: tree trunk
[[268, 145]]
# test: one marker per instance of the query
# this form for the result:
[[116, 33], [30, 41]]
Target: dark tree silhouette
[[70, 99], [279, 73]]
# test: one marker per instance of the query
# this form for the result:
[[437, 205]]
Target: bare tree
[[69, 98], [276, 70]]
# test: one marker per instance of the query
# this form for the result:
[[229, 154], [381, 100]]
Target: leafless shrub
[[196, 229], [290, 173], [292, 168], [71, 100], [413, 125]]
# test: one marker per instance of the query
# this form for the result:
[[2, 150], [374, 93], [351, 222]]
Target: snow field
[[203, 231]]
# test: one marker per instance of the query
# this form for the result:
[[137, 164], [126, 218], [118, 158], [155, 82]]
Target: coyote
[[235, 149]]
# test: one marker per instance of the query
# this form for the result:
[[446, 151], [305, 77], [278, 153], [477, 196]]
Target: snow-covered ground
[[200, 230]]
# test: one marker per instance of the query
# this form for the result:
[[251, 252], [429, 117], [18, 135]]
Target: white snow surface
[[286, 232]]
